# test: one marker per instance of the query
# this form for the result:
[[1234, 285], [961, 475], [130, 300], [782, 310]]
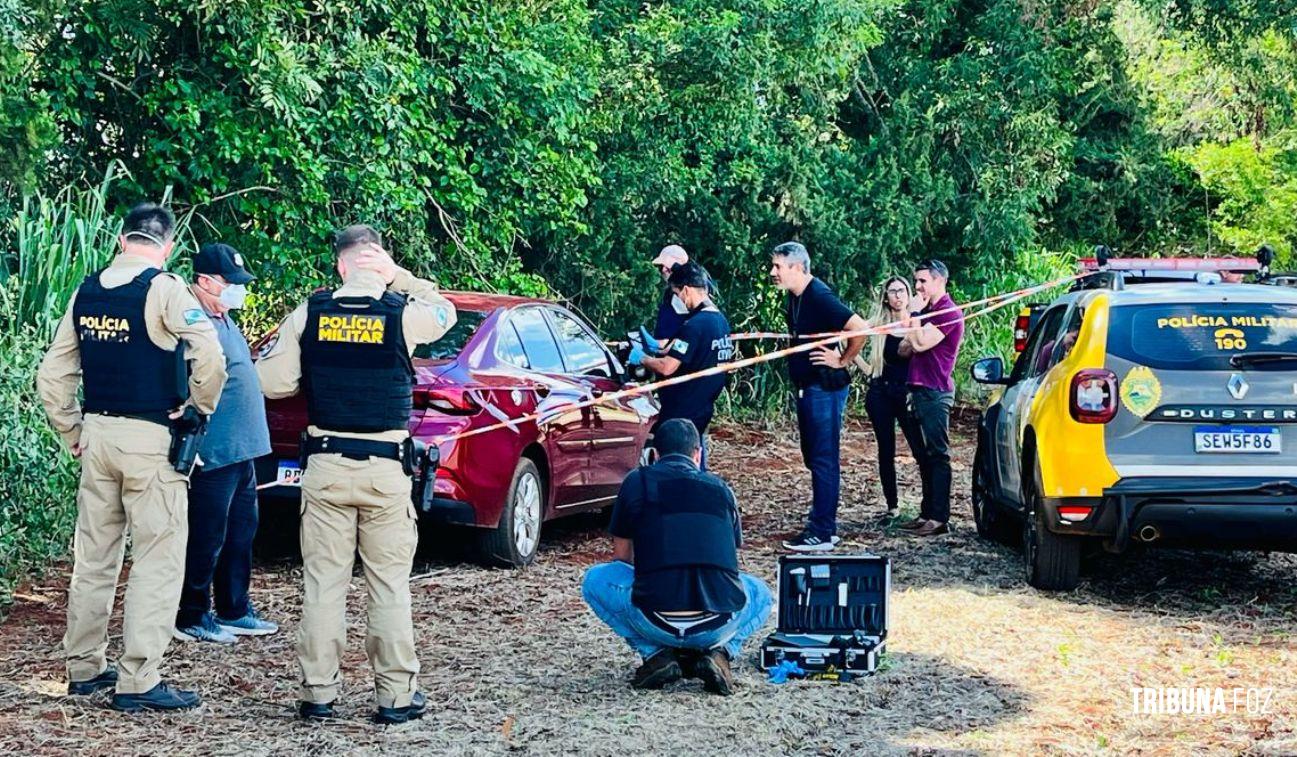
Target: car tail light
[[1021, 328], [1074, 513], [449, 401], [1094, 396]]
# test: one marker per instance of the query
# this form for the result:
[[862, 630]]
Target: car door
[[1016, 402], [565, 432], [618, 429]]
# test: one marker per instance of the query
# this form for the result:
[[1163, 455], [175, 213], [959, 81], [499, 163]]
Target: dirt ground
[[514, 663]]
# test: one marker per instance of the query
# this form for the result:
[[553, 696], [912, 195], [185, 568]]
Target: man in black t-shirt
[[673, 590], [821, 380], [701, 342]]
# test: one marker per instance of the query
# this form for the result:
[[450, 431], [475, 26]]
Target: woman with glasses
[[885, 402]]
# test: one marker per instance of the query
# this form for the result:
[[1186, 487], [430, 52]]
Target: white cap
[[671, 255]]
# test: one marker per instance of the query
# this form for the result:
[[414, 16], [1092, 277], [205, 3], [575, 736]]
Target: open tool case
[[833, 613]]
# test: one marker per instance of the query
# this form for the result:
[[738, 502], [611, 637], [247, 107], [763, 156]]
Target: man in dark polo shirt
[[223, 491], [821, 380], [701, 342], [684, 606], [933, 347]]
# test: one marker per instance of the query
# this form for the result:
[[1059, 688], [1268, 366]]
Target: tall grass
[[52, 244]]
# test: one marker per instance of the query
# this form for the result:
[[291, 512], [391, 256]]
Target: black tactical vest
[[356, 369], [686, 521], [123, 371]]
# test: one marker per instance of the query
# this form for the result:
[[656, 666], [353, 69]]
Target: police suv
[[1152, 403]]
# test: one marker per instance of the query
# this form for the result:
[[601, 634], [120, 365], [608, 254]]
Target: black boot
[[162, 697], [315, 710], [394, 715], [105, 680]]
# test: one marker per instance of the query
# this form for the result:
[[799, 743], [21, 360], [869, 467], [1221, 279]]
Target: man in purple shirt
[[933, 347]]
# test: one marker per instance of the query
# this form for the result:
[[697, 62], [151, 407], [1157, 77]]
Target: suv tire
[[516, 540], [1052, 562], [993, 522]]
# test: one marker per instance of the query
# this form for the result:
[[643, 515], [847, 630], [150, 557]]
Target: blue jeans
[[607, 589], [819, 424]]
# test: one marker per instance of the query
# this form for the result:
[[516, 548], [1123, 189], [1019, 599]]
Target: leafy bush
[[59, 240], [38, 478]]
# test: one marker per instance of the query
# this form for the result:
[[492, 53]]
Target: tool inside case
[[833, 612]]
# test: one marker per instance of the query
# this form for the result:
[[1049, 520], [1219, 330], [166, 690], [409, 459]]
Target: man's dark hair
[[149, 222], [354, 236], [677, 436], [688, 275], [937, 267]]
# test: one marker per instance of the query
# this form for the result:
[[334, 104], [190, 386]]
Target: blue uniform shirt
[[701, 342], [237, 430]]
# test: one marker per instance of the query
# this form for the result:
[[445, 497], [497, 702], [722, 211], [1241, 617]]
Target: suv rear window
[[1202, 336]]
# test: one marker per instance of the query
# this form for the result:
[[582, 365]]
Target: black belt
[[160, 417], [356, 449]]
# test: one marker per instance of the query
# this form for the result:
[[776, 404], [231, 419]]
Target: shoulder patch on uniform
[[194, 315], [442, 315], [679, 345], [268, 345]]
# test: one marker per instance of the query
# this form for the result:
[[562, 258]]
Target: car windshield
[[453, 341], [1203, 336]]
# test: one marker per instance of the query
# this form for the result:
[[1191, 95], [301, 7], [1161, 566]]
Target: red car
[[506, 357]]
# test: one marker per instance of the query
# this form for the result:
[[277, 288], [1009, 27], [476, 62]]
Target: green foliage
[[550, 148], [38, 478], [1253, 191]]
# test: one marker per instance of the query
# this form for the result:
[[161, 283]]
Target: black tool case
[[833, 613]]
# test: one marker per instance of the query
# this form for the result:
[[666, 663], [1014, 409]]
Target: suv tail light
[[449, 401], [1021, 328], [1093, 398], [1074, 513]]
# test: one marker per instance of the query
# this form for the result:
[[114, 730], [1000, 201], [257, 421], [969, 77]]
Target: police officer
[[701, 342], [121, 337], [683, 606], [348, 350]]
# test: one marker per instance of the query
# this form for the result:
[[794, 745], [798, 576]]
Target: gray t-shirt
[[237, 430]]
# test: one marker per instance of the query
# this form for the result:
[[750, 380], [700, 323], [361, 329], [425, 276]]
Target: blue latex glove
[[636, 355], [650, 342], [784, 671]]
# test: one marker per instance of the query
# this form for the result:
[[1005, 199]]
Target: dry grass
[[514, 663]]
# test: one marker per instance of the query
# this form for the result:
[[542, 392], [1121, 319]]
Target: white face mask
[[233, 296]]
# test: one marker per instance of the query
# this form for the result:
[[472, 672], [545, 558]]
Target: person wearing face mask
[[702, 341], [223, 489], [135, 339]]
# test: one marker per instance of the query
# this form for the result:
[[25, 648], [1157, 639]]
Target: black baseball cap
[[217, 259]]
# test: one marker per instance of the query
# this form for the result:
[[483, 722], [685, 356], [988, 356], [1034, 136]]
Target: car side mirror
[[989, 370]]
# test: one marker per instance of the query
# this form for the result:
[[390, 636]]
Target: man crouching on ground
[[684, 606]]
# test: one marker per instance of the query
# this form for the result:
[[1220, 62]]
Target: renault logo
[[1237, 386]]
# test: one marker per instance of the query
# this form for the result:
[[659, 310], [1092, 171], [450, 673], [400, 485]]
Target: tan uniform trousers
[[348, 503], [127, 485]]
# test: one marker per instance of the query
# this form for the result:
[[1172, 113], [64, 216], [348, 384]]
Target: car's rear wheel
[[1052, 561], [515, 541], [992, 521]]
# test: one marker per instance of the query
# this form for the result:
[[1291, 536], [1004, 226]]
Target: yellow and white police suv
[[1152, 402]]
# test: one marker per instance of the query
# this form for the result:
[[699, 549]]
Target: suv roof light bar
[[1171, 264]]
